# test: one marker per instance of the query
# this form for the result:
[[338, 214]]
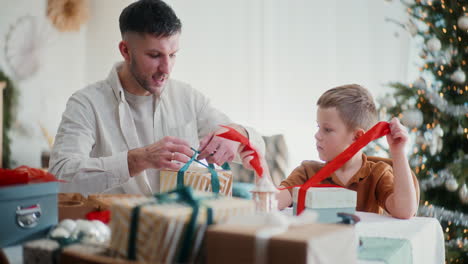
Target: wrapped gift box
[[46, 251], [92, 234], [74, 206], [309, 243], [90, 254], [104, 201], [162, 227], [28, 211], [327, 202], [198, 178]]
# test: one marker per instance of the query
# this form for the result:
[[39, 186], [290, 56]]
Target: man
[[117, 134]]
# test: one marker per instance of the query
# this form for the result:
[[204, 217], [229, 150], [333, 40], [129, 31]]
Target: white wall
[[284, 54], [42, 96], [263, 62]]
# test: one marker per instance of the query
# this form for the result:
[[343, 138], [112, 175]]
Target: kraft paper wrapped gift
[[167, 225], [327, 202], [267, 243], [199, 178], [104, 200]]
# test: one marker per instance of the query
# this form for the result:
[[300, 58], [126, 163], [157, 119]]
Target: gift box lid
[[22, 191], [328, 197]]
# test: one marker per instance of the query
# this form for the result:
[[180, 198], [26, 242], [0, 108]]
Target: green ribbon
[[64, 242], [214, 175], [183, 195]]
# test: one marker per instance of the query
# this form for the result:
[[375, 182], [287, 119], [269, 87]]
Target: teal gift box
[[28, 212], [327, 202]]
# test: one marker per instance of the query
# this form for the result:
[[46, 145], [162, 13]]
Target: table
[[424, 234]]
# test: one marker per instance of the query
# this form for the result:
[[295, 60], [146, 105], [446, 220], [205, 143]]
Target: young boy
[[344, 114]]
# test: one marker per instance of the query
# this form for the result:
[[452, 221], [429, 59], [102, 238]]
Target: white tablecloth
[[424, 233]]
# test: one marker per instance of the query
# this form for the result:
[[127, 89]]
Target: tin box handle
[[28, 217]]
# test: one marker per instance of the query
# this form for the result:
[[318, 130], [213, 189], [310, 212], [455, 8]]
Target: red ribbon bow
[[234, 135]]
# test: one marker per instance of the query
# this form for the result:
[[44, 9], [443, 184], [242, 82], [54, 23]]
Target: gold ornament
[[68, 15]]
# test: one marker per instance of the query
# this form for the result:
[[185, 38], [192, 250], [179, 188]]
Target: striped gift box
[[198, 178], [162, 226]]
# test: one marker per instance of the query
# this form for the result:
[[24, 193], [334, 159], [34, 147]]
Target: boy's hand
[[398, 136]]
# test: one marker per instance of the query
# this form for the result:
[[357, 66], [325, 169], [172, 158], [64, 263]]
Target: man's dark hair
[[149, 16]]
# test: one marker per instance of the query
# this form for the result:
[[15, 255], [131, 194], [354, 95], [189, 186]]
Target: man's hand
[[218, 150], [246, 156], [159, 155], [398, 137]]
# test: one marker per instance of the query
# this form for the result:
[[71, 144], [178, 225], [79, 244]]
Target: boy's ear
[[358, 133]]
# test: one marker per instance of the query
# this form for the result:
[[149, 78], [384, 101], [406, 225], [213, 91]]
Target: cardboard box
[[28, 212], [309, 243], [74, 206]]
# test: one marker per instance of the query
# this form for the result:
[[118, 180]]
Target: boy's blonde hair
[[354, 103]]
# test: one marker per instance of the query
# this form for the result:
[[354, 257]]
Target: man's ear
[[124, 50], [358, 133]]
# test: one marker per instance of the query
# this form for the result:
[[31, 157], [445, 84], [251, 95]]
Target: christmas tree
[[435, 108]]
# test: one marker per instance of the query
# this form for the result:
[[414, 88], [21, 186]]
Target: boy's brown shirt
[[373, 182]]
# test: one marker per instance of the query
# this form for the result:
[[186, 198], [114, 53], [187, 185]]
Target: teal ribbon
[[64, 242], [214, 175], [183, 195]]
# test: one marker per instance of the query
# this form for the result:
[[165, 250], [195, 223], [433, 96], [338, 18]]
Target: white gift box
[[327, 202]]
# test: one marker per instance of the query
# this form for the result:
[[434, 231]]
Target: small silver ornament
[[451, 184], [412, 28], [434, 44], [463, 194], [436, 141], [420, 83], [412, 118], [387, 101], [423, 54], [458, 76], [460, 129], [463, 22]]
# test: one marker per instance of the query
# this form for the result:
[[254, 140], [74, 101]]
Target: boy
[[344, 114]]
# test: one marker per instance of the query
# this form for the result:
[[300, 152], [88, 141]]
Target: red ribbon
[[234, 135], [103, 216], [379, 130]]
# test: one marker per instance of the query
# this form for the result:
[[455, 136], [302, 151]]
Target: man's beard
[[139, 79]]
